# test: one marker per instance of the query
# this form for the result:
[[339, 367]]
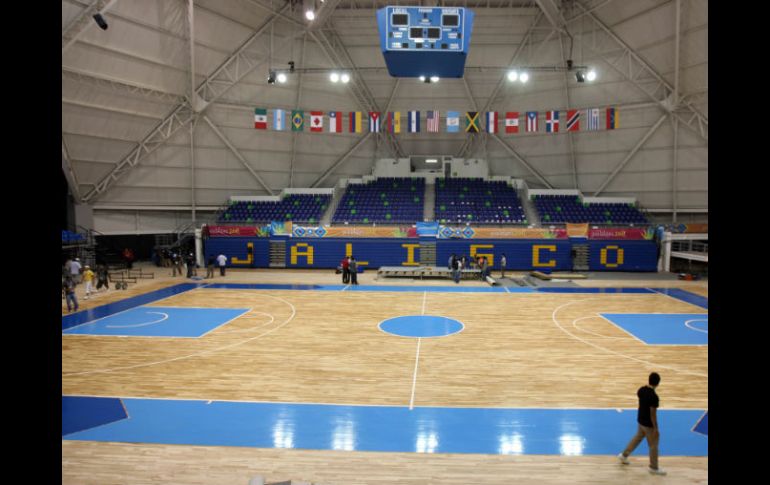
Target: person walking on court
[[222, 260], [69, 294], [102, 277], [647, 417], [210, 267], [503, 262], [353, 268], [344, 268], [75, 271], [88, 278]]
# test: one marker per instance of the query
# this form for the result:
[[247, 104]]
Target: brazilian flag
[[472, 122], [297, 120]]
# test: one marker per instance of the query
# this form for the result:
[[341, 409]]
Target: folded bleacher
[[477, 201], [561, 209], [301, 208], [383, 201]]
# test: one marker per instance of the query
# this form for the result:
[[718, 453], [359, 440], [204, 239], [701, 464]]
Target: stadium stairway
[[430, 201], [530, 211], [326, 219]]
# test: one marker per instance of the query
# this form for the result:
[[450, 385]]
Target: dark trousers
[[222, 270], [101, 283], [354, 277], [345, 276]]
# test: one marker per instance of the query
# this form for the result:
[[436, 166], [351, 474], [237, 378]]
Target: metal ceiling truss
[[120, 86], [610, 48], [234, 69], [69, 174], [83, 22]]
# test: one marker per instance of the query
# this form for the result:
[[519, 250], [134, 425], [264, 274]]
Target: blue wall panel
[[523, 254], [622, 256], [237, 247]]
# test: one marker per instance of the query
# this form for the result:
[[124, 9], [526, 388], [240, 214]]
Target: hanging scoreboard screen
[[425, 41]]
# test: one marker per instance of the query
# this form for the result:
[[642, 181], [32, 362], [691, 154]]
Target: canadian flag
[[512, 122], [316, 121]]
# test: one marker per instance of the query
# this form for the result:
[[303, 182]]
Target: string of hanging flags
[[456, 122]]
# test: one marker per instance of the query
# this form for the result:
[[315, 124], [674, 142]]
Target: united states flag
[[433, 121]]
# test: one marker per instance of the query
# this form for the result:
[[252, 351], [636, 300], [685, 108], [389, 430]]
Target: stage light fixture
[[271, 77], [591, 76], [281, 78], [423, 79], [434, 79], [524, 77], [334, 77], [513, 76], [345, 77], [580, 76]]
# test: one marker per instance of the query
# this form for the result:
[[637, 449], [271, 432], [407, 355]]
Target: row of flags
[[472, 121]]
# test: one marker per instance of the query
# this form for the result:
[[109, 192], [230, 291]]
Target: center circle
[[421, 326]]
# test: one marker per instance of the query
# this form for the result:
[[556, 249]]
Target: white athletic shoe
[[657, 471], [623, 459]]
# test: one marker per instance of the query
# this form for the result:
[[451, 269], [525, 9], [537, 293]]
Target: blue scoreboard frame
[[425, 41]]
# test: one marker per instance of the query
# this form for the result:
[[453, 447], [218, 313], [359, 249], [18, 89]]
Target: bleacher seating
[[304, 208], [561, 209], [477, 201], [383, 201]]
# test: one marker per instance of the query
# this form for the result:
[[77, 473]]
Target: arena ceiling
[[152, 119]]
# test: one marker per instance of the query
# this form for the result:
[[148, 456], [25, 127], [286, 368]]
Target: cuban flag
[[414, 122], [374, 122], [512, 122], [279, 119], [453, 121], [491, 121], [335, 122], [593, 119], [316, 121], [551, 121], [531, 120], [433, 121], [573, 120]]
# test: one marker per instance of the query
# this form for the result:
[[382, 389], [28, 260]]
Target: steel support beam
[[119, 85], [83, 22], [521, 160], [294, 135], [552, 11], [342, 159], [235, 68], [630, 155], [569, 105], [237, 154], [621, 57], [69, 174], [675, 168], [192, 166]]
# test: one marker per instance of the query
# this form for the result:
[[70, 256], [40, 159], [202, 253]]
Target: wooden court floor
[[516, 350]]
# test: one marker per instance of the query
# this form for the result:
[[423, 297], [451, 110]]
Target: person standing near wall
[[222, 260], [353, 267], [345, 264], [210, 267], [503, 263]]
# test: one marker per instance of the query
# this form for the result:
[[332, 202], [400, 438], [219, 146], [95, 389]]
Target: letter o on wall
[[618, 259]]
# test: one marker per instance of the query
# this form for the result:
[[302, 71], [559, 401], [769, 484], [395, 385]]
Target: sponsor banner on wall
[[351, 231], [577, 230], [689, 228], [469, 232], [281, 228], [235, 231], [634, 233]]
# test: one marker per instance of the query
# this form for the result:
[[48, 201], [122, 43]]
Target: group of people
[[349, 269], [457, 264], [73, 273], [178, 261]]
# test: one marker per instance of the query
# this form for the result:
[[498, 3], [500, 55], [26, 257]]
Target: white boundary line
[[196, 354], [165, 317], [574, 324], [681, 301], [699, 408], [414, 378], [407, 336], [696, 320], [658, 345], [623, 329], [424, 300], [652, 364]]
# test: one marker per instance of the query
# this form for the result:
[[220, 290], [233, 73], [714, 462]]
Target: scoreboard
[[425, 41]]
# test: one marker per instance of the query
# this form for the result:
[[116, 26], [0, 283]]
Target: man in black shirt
[[647, 417]]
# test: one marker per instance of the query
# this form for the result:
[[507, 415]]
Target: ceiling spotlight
[[524, 77], [422, 78], [580, 76], [591, 76], [513, 76], [334, 77], [281, 78], [434, 79], [309, 14], [271, 77], [100, 21], [345, 77]]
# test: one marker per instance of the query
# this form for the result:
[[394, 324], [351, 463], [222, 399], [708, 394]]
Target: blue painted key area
[[151, 321], [394, 429], [81, 413], [421, 326], [702, 426], [664, 328]]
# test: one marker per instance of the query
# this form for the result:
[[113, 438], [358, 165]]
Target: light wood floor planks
[[525, 350]]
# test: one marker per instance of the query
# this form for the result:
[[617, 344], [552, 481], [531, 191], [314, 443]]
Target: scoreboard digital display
[[420, 35]]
